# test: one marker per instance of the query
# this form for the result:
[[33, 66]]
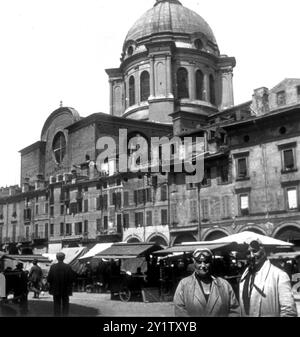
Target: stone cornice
[[37, 145]]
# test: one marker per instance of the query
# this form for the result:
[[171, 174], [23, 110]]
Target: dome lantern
[[174, 1]]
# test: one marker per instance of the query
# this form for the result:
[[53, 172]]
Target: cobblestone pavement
[[87, 304], [91, 305]]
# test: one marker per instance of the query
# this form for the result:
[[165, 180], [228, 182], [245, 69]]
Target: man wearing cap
[[35, 278], [60, 279], [265, 290], [202, 294]]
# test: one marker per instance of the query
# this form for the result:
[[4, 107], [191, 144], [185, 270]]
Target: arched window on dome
[[59, 147], [198, 44], [145, 86], [199, 85], [182, 83], [130, 51], [212, 89], [131, 91]]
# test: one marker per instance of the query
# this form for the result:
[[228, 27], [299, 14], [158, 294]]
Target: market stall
[[290, 263], [176, 263], [132, 269]]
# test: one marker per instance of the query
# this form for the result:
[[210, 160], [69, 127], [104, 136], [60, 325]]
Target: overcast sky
[[57, 50]]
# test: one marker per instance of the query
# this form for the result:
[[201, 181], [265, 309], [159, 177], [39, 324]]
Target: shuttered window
[[205, 209], [164, 217]]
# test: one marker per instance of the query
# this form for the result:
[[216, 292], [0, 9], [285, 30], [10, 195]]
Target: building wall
[[32, 164], [82, 142]]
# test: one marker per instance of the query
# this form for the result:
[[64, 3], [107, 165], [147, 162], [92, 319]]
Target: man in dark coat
[[35, 278], [60, 279], [21, 288]]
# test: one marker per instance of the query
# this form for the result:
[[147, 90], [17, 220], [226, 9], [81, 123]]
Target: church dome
[[169, 16]]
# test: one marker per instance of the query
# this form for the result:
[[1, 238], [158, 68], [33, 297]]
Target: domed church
[[170, 62], [172, 82]]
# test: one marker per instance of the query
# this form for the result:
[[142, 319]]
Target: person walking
[[203, 294], [35, 278], [21, 289], [265, 290], [60, 279]]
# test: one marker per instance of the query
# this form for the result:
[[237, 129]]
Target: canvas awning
[[131, 265], [285, 255], [98, 248], [127, 250], [29, 258], [190, 247], [247, 236], [72, 258]]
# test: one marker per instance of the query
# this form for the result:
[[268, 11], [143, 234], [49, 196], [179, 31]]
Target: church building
[[172, 82]]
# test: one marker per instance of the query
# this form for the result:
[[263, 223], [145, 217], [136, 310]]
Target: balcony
[[39, 237], [23, 239]]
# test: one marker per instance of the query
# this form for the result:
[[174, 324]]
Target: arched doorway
[[184, 238], [133, 240], [157, 239], [254, 230], [289, 234], [215, 235]]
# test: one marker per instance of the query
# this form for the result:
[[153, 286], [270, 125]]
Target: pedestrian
[[21, 288], [35, 278], [203, 294], [265, 290], [60, 279]]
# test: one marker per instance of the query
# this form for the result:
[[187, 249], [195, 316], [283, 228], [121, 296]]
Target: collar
[[213, 278]]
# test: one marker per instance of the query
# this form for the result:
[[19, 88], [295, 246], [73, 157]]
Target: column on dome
[[152, 82], [138, 88], [169, 77], [227, 100], [110, 96], [191, 72], [206, 93]]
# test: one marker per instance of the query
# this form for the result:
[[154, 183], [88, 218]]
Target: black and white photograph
[[150, 161]]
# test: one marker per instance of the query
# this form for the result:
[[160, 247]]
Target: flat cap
[[60, 256]]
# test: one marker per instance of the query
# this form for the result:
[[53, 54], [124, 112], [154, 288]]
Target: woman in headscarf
[[203, 294]]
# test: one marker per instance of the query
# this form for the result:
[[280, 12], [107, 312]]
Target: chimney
[[25, 187], [260, 101]]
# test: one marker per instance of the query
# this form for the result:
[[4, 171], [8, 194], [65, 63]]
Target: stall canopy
[[29, 258], [72, 258], [12, 260], [131, 265], [285, 255], [98, 248], [127, 250], [247, 236], [190, 247]]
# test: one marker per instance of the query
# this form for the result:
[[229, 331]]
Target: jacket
[[35, 274], [189, 299], [60, 279], [271, 294]]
